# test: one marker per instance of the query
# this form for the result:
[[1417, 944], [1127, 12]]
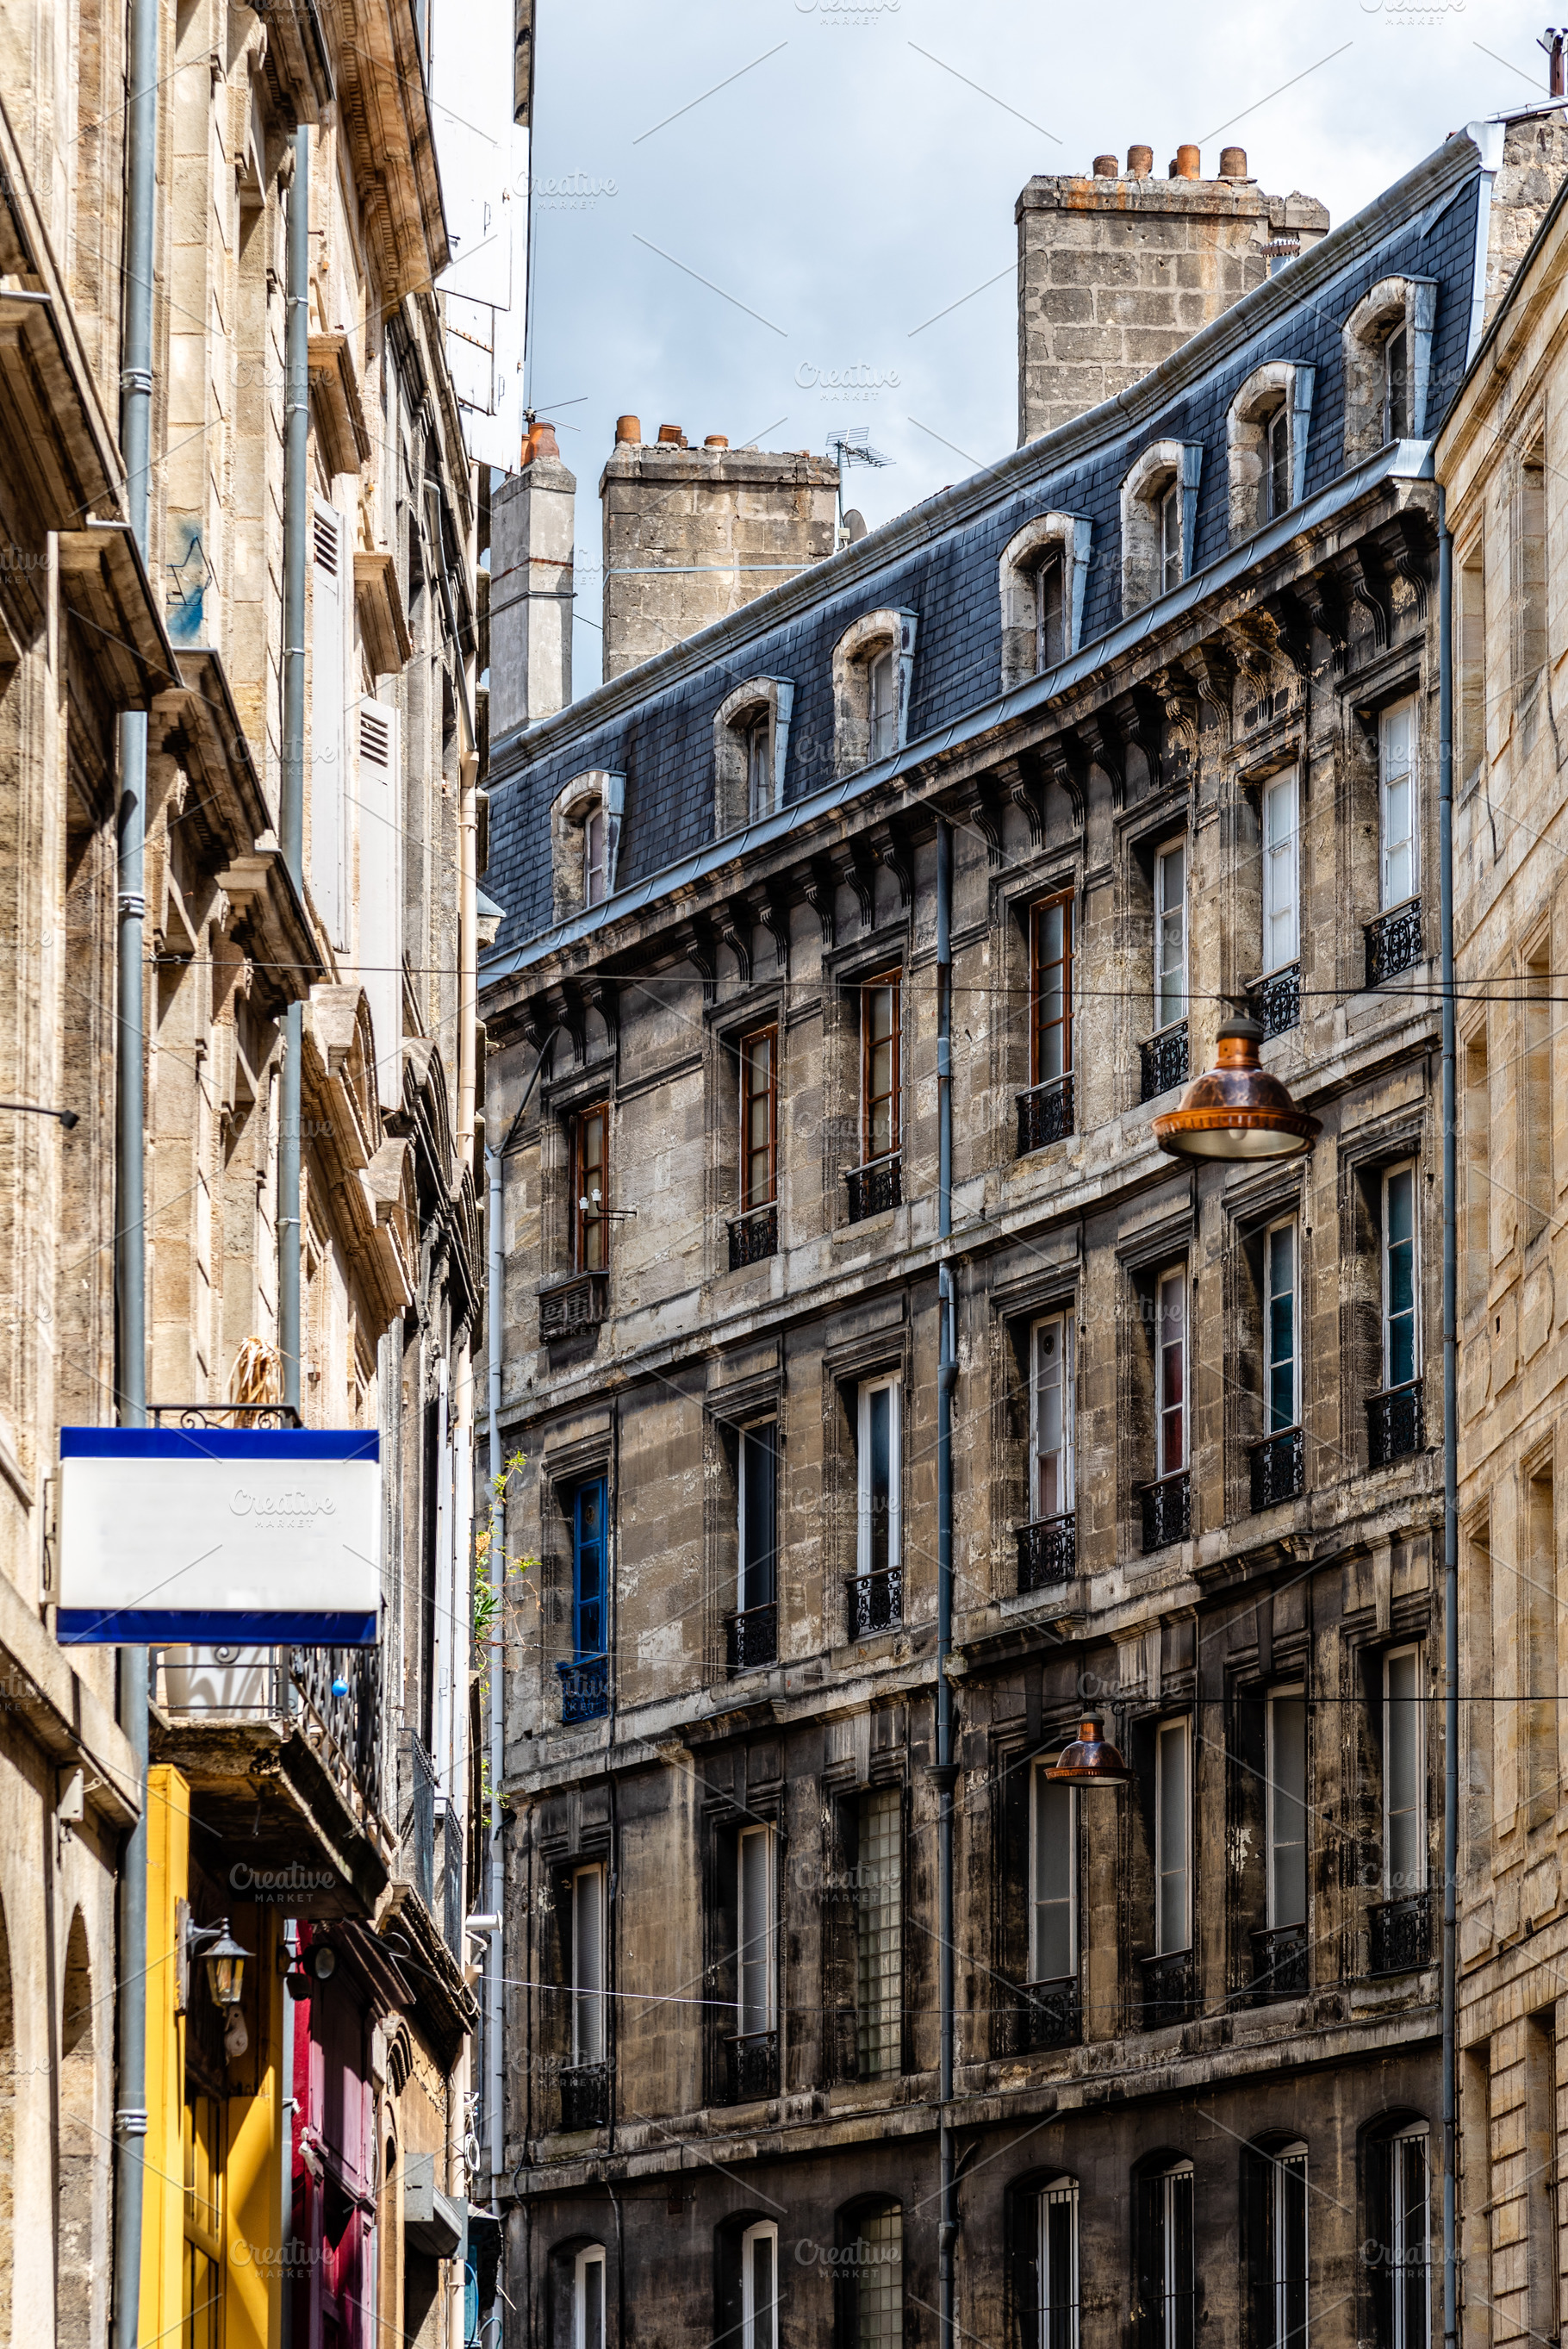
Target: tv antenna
[[851, 445]]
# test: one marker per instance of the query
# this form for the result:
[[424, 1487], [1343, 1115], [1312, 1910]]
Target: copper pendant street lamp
[[1090, 1760], [1236, 1110]]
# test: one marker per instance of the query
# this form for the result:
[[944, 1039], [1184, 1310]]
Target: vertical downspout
[[945, 1772], [494, 1288], [130, 1207], [290, 797], [1451, 1429]]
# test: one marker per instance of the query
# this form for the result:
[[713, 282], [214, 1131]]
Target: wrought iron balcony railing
[[1395, 1423], [1394, 942], [585, 2096], [1169, 1989], [1163, 1061], [566, 1307], [876, 1601], [1045, 1114], [1280, 1967], [753, 2066], [330, 1696], [1052, 2014], [753, 1236], [752, 1638], [1279, 1468], [1276, 1001], [1400, 1932], [875, 1186], [1167, 1510], [1048, 1552], [585, 1690]]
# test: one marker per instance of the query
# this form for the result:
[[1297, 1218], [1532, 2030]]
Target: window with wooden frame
[[881, 688], [1053, 1879], [588, 1965], [1282, 891], [1050, 613], [1286, 1813], [1174, 1837], [1402, 1288], [760, 2286], [1396, 386], [1171, 1371], [1051, 990], [1282, 1362], [1171, 936], [588, 2299], [1276, 462], [1404, 1774], [880, 1073], [1170, 537], [591, 1187], [1051, 1418], [759, 1118], [1398, 877]]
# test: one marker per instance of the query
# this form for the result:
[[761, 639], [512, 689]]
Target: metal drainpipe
[[290, 796], [1451, 1429], [130, 1244], [945, 1772]]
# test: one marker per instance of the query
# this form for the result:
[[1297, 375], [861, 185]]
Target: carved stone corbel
[[891, 848], [821, 890], [1065, 762], [769, 908], [853, 871], [980, 809], [697, 942]]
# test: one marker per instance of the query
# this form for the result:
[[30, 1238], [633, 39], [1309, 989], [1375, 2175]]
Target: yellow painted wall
[[164, 2181], [252, 2205]]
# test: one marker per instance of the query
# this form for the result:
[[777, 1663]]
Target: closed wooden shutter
[[380, 907], [328, 694]]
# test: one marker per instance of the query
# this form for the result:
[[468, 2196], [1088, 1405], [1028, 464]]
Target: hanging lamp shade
[[1236, 1109], [1090, 1760], [225, 1963]]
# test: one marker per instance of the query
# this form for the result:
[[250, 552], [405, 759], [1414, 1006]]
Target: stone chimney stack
[[531, 530], [692, 534], [1116, 270]]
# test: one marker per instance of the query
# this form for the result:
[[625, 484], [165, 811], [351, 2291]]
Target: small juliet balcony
[[751, 2066], [1280, 1963], [1396, 1424], [1278, 1468], [1048, 1552], [1162, 1061], [585, 1690], [1394, 942], [1276, 1001], [1167, 1510], [1400, 1934], [1169, 1989], [585, 2096], [1045, 1114], [876, 1602], [752, 1638], [754, 1236], [875, 1186], [1051, 2014]]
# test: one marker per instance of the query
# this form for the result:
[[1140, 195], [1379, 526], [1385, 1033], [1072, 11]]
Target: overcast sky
[[844, 177]]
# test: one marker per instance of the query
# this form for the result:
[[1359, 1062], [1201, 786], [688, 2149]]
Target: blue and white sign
[[219, 1537]]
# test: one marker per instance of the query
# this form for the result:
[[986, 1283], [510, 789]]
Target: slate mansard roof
[[653, 724]]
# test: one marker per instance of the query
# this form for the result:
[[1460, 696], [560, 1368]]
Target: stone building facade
[[1498, 457], [1164, 702], [323, 1802]]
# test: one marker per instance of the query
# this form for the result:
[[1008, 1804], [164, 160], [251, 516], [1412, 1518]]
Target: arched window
[[871, 2271], [750, 745], [588, 2298], [1265, 438], [1387, 346], [1042, 575], [1399, 2233], [873, 668], [1275, 2220], [585, 838], [760, 2286], [1165, 2266], [1159, 522]]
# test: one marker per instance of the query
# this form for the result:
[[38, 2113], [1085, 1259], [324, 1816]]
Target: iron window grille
[[752, 1638], [1394, 942], [753, 1236], [1280, 1966], [753, 2066], [1279, 1468], [1395, 1423], [1048, 1552], [1170, 1989], [1045, 1114], [874, 1187], [1052, 2014], [585, 2096], [1401, 1934], [1276, 1001], [1163, 1060], [1167, 1511], [876, 1601]]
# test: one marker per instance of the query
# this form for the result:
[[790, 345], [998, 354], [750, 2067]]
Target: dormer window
[[874, 670], [1170, 537], [1050, 634], [1276, 462], [883, 695], [1043, 576], [1266, 445], [584, 837], [1396, 386], [758, 769], [750, 743]]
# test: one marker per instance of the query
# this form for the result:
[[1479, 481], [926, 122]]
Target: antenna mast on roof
[[851, 445]]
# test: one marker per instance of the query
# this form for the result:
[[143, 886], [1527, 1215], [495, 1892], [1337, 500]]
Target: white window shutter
[[381, 890], [328, 693]]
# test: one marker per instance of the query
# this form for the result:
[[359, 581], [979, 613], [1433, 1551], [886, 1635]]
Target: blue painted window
[[590, 1543]]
